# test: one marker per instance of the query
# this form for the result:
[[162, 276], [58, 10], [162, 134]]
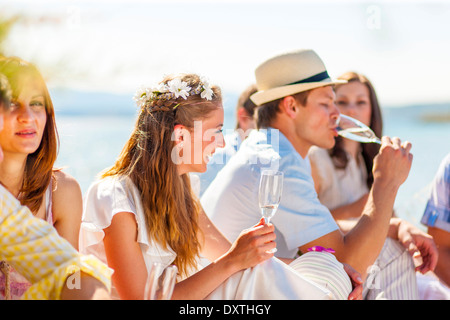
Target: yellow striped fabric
[[33, 247]]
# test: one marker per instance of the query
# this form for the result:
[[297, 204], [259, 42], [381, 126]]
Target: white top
[[106, 198], [270, 280], [339, 187]]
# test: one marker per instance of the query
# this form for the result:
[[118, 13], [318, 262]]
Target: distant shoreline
[[433, 117], [74, 102]]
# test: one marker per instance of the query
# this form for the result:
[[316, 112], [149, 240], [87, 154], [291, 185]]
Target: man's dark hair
[[266, 113]]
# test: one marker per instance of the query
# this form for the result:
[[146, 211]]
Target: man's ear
[[288, 106], [243, 117], [241, 113]]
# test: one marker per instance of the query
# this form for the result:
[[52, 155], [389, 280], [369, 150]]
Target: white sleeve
[[103, 200]]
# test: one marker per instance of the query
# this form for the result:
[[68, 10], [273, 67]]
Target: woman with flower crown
[[142, 209]]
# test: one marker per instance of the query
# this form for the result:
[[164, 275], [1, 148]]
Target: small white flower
[[160, 87], [139, 93], [207, 92], [140, 97], [179, 88]]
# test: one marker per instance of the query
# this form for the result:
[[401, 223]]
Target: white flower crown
[[172, 90]]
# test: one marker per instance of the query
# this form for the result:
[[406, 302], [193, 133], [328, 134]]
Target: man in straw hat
[[296, 110]]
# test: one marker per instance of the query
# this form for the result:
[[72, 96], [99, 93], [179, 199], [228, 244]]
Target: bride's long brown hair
[[170, 207]]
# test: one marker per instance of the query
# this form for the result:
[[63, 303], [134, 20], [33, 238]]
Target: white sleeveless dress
[[270, 280]]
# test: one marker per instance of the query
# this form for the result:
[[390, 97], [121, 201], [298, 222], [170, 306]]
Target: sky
[[117, 46]]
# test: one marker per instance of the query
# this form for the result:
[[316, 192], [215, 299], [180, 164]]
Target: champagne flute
[[270, 189], [160, 282], [355, 130]]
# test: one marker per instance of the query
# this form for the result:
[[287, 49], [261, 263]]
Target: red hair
[[39, 164]]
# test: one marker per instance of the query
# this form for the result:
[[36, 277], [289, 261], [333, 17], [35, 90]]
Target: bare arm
[[250, 249], [67, 208], [93, 289], [362, 244], [351, 210], [442, 239], [125, 257]]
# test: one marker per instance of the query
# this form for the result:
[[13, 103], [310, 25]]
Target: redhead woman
[[143, 210], [29, 140], [30, 145]]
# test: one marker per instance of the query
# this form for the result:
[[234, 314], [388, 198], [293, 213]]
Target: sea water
[[91, 141]]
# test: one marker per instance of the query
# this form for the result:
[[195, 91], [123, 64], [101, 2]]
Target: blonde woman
[[143, 210]]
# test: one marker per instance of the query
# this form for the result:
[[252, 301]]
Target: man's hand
[[418, 243], [393, 162], [357, 282]]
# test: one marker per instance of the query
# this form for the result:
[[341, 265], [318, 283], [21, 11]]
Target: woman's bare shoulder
[[65, 182], [66, 191]]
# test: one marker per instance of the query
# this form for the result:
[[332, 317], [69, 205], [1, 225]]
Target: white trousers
[[392, 276]]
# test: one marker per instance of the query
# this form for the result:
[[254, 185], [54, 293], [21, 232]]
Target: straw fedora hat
[[290, 73]]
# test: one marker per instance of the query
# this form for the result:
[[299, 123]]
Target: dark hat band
[[315, 78]]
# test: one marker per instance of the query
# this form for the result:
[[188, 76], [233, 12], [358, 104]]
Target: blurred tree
[[5, 27]]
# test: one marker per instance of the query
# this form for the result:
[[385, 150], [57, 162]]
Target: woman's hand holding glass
[[253, 246]]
